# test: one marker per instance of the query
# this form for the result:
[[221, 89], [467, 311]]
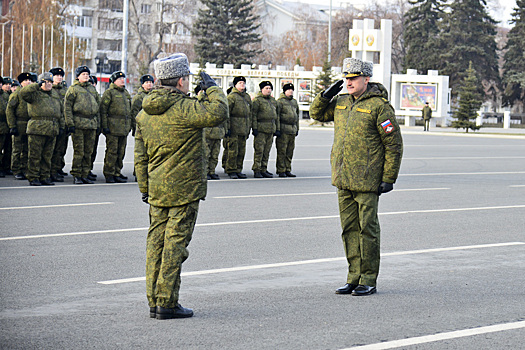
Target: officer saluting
[[365, 160], [45, 123]]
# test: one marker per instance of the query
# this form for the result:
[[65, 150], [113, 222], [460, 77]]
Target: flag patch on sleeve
[[387, 126]]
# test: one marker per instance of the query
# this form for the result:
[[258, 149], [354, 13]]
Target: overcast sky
[[500, 9]]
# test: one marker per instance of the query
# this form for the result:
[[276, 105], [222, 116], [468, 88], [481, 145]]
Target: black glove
[[333, 90], [106, 131], [98, 131], [385, 187], [207, 81], [14, 132], [71, 130], [277, 133], [297, 133], [132, 131], [228, 133], [145, 197], [61, 131], [255, 132]]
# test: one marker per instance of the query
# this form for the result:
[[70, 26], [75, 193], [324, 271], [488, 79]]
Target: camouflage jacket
[[170, 151], [61, 90], [136, 105], [240, 106], [265, 112], [367, 145], [115, 110], [17, 115], [289, 115], [4, 128], [81, 106], [426, 112], [217, 132], [45, 110]]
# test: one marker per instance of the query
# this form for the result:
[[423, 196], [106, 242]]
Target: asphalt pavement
[[266, 257]]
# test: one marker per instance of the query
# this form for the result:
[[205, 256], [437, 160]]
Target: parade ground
[[266, 256]]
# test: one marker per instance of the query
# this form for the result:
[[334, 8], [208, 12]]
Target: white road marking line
[[517, 186], [473, 173], [320, 193], [315, 261], [62, 186], [261, 221], [440, 336], [57, 205]]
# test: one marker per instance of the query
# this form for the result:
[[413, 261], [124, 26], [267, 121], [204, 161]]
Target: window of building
[[85, 43], [145, 8], [109, 45], [113, 5], [111, 24], [85, 21]]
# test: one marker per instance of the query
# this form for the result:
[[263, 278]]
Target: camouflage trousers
[[361, 235], [285, 145], [262, 144], [57, 160], [236, 152], [19, 155], [83, 140], [115, 152], [95, 148], [169, 235], [224, 153], [39, 157], [213, 148]]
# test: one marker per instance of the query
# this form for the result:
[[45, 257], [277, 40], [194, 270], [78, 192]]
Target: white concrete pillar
[[506, 120], [479, 119]]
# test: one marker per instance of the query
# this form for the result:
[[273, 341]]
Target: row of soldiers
[[38, 118], [265, 117], [42, 114]]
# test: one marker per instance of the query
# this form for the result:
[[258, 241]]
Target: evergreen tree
[[421, 31], [514, 65], [324, 79], [470, 101], [468, 34], [225, 32]]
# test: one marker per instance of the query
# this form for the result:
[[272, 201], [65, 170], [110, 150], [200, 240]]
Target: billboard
[[414, 96]]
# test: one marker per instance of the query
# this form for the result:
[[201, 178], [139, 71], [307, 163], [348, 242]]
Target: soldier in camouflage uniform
[[289, 126], [17, 118], [115, 112], [265, 126], [4, 128], [238, 128], [92, 176], [57, 161], [171, 173], [15, 85], [6, 85], [46, 122], [146, 84], [81, 109], [427, 114], [365, 160]]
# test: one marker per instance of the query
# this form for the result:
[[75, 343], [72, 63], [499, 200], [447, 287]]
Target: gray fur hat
[[354, 67], [45, 76], [174, 66]]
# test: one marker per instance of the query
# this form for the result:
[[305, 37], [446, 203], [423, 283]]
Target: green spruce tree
[[514, 60], [470, 101], [324, 80], [226, 32], [467, 34], [420, 34]]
